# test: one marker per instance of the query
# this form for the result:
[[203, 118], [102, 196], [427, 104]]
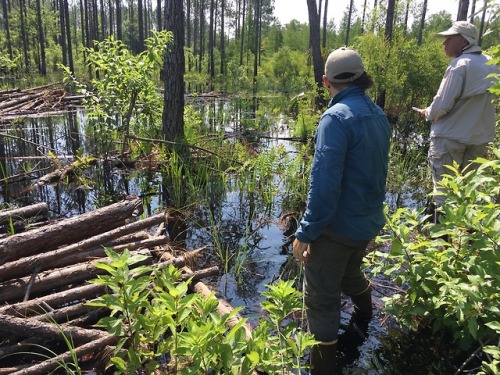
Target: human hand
[[421, 111], [301, 250]]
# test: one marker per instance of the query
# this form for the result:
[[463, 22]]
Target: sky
[[286, 10]]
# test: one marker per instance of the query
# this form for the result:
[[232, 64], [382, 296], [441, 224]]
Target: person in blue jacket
[[344, 204]]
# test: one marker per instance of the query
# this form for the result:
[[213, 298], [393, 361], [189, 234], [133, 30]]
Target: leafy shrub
[[154, 316], [449, 271]]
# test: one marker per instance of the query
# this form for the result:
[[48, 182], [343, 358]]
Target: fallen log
[[23, 213], [223, 306], [53, 301], [13, 290], [34, 328], [69, 255], [69, 231], [46, 366]]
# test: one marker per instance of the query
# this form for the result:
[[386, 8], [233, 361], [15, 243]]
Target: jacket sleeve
[[448, 93], [326, 178]]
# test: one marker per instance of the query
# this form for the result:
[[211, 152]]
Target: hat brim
[[447, 33]]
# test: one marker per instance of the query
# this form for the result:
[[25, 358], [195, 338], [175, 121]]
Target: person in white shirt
[[462, 114]]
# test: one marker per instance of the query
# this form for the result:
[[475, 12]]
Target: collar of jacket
[[350, 91]]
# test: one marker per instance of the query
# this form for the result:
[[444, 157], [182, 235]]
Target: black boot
[[363, 311], [323, 359]]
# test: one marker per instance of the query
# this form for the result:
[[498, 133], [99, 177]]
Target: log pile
[[44, 281], [35, 102]]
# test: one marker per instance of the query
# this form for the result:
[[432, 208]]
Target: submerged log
[[23, 213], [69, 230]]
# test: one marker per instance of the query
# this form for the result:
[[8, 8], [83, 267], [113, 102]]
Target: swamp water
[[251, 235]]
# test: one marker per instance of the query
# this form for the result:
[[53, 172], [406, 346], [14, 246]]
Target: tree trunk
[[314, 43], [483, 19], [222, 39], [348, 28], [422, 23], [472, 11], [70, 230], [325, 23], [202, 35], [103, 20], [64, 48], [7, 28], [463, 8], [257, 10], [31, 327], [242, 37], [140, 19], [68, 37], [389, 21], [50, 260], [119, 32], [23, 213], [211, 47], [55, 279], [24, 36], [407, 15], [89, 348], [53, 301], [41, 38], [173, 99], [364, 18]]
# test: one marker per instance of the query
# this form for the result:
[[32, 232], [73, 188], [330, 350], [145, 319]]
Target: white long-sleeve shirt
[[463, 108]]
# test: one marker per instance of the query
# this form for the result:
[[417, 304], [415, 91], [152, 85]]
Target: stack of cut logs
[[35, 101], [45, 273]]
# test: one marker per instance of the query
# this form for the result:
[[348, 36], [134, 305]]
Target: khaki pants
[[443, 152], [334, 267]]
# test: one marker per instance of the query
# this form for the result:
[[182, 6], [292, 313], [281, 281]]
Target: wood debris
[[45, 274], [35, 102]]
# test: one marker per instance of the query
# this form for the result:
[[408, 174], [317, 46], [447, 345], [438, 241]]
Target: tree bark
[[24, 213], [32, 327], [24, 32], [314, 43], [173, 99], [41, 38], [15, 290], [53, 301], [51, 364], [70, 230], [7, 28], [422, 23], [472, 11], [68, 37], [348, 28], [119, 32], [483, 20], [222, 39], [463, 8], [69, 255], [325, 23]]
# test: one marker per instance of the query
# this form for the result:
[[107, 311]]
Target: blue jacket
[[349, 170]]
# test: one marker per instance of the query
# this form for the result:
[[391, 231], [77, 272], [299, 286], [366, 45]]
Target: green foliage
[[495, 59], [154, 315], [123, 97], [284, 71], [449, 271]]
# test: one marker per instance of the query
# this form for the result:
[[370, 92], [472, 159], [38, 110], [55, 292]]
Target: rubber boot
[[323, 359], [363, 311]]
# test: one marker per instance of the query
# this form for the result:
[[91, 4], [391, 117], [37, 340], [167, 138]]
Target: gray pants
[[334, 267], [442, 152]]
